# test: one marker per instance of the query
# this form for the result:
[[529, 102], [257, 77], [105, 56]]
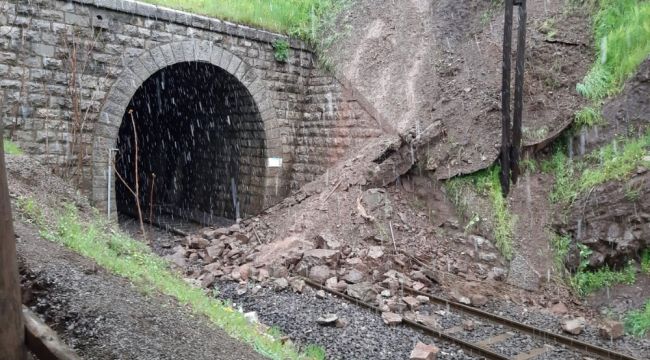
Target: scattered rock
[[478, 300], [497, 273], [427, 320], [297, 285], [354, 276], [488, 257], [332, 283], [469, 325], [319, 273], [252, 317], [423, 351], [215, 251], [362, 291], [198, 242], [458, 297], [178, 257], [327, 319], [375, 252], [241, 290], [559, 309], [321, 294], [320, 257], [326, 240], [611, 330], [412, 302], [385, 293], [422, 299], [573, 326], [396, 305], [341, 323], [280, 284], [391, 319]]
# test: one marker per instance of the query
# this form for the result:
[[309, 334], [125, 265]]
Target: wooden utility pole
[[511, 133], [519, 92], [505, 98], [12, 331]]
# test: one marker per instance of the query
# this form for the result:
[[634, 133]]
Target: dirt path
[[105, 317]]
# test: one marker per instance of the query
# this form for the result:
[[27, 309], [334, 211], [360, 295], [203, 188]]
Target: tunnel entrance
[[200, 146]]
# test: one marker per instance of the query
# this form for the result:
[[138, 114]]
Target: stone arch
[[139, 70]]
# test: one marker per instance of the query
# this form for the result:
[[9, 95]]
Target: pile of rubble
[[374, 274]]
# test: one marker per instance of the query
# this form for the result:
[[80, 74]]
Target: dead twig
[[333, 190], [362, 211]]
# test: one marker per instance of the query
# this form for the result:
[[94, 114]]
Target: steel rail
[[575, 344], [578, 345], [473, 348]]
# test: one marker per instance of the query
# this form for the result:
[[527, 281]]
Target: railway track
[[504, 330]]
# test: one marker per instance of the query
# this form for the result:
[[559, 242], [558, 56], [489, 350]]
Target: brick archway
[[139, 70]]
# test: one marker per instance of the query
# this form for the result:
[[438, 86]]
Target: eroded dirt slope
[[420, 61]]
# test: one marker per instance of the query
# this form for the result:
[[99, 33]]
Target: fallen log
[[42, 341]]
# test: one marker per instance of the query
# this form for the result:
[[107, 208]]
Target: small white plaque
[[274, 162]]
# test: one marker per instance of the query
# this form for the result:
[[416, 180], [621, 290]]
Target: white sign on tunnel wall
[[274, 162]]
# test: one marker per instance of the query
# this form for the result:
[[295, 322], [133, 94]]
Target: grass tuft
[[645, 261], [486, 182], [637, 322], [299, 18], [586, 282], [589, 116], [10, 148], [622, 34], [616, 161], [131, 259]]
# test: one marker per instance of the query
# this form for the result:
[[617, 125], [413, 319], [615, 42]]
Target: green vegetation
[[486, 182], [615, 161], [133, 260], [10, 148], [299, 18], [645, 261], [622, 34], [589, 116], [637, 322], [561, 246], [585, 282], [281, 50]]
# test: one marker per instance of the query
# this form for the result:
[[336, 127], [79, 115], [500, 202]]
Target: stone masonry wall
[[68, 70]]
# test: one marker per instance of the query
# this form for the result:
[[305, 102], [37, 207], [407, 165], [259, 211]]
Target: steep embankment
[[420, 61]]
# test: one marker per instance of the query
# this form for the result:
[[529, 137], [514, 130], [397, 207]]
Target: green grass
[[131, 259], [281, 50], [616, 161], [486, 182], [637, 322], [299, 18], [645, 261], [11, 148], [589, 116], [622, 36], [586, 282], [560, 246]]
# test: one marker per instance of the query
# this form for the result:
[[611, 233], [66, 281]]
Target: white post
[[109, 187]]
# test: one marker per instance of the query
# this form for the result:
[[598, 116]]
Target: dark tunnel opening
[[201, 147]]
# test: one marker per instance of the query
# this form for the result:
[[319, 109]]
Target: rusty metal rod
[[576, 344], [473, 348]]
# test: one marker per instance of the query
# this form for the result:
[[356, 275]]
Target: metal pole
[[12, 330], [505, 99], [519, 92]]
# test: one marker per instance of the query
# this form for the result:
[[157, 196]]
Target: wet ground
[[105, 317]]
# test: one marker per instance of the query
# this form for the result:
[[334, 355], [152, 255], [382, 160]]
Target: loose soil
[[419, 62]]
